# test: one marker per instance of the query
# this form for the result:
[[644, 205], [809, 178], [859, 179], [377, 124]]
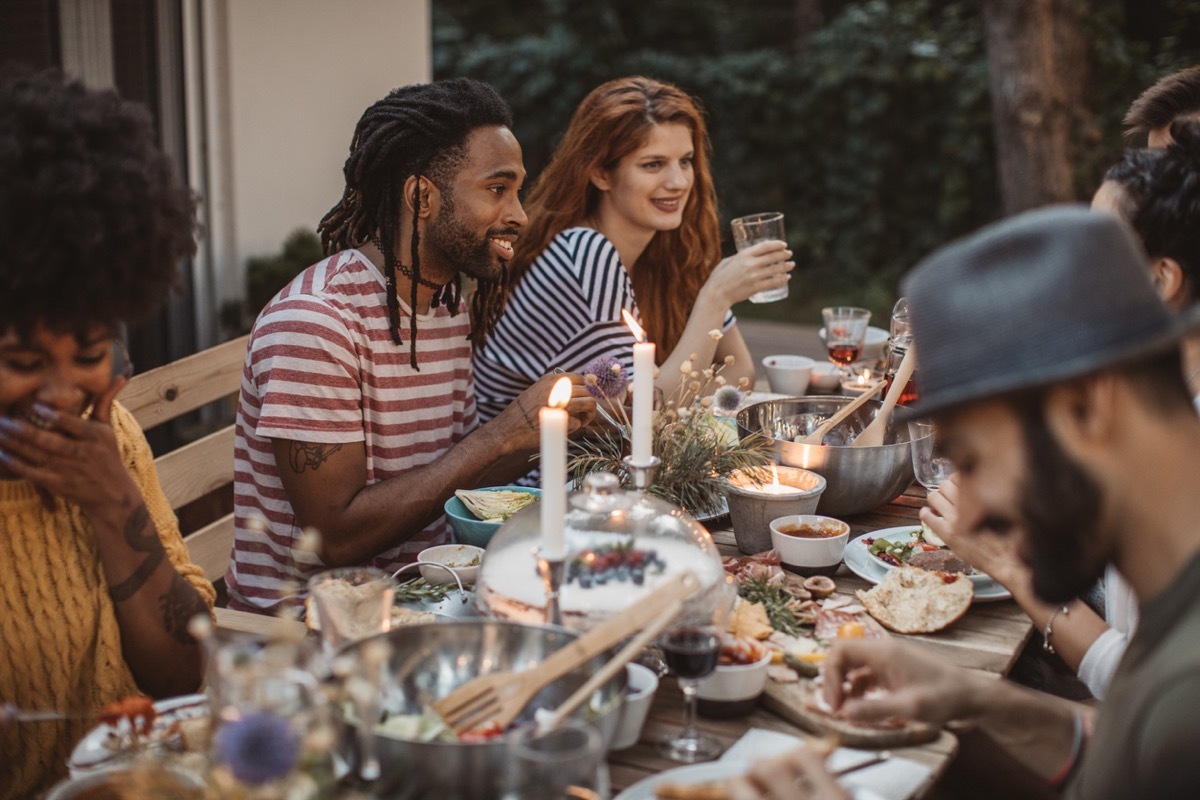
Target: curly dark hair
[[93, 216], [1160, 199], [417, 130]]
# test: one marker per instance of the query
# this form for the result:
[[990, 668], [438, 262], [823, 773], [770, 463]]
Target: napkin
[[894, 779]]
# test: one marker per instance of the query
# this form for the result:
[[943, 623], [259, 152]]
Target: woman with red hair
[[625, 217]]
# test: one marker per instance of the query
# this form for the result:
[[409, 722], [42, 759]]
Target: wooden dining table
[[988, 638]]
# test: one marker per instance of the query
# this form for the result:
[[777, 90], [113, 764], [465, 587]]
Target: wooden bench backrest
[[197, 468]]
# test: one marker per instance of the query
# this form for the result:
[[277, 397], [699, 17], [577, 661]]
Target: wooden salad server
[[872, 435], [499, 697], [817, 436]]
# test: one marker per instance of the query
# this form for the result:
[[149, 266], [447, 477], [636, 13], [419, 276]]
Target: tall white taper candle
[[552, 421]]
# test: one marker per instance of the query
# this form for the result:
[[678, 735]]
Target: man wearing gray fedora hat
[[1053, 372]]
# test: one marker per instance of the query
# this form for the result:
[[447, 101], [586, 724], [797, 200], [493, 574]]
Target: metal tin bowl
[[859, 478], [430, 661]]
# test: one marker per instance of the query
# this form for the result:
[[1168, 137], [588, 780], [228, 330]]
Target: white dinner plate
[[866, 566], [721, 510], [702, 773], [104, 745], [691, 774], [904, 534]]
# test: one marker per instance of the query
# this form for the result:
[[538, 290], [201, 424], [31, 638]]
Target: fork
[[499, 697]]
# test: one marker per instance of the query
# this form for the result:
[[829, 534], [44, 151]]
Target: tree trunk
[[1037, 70]]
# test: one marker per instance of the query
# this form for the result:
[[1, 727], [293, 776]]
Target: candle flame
[[560, 395], [865, 376], [638, 333]]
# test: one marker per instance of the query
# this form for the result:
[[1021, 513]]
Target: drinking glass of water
[[929, 464], [755, 228]]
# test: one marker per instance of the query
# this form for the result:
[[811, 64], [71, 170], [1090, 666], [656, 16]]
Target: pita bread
[[912, 600]]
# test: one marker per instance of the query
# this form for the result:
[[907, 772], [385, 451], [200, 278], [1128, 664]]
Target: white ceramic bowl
[[732, 690], [450, 555], [639, 696], [789, 374], [825, 377], [813, 553], [873, 343]]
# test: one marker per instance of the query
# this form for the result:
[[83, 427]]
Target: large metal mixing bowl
[[430, 661], [859, 478]]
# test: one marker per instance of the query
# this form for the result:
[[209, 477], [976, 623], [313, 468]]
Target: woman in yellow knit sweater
[[96, 589]]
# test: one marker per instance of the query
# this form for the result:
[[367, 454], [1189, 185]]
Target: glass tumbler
[[755, 228]]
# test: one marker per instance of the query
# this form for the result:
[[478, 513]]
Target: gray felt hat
[[1041, 297]]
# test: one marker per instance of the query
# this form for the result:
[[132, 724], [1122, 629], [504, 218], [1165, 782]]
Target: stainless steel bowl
[[430, 661], [859, 478]]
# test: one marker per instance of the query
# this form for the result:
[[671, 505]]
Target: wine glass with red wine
[[691, 652], [845, 331]]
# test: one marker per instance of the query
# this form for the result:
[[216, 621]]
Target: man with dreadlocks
[[357, 409]]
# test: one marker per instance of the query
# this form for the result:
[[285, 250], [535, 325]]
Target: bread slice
[[912, 600]]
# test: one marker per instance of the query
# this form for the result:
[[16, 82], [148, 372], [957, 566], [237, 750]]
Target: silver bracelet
[[1048, 631]]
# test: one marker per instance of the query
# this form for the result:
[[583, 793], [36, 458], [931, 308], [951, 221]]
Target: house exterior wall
[[299, 74]]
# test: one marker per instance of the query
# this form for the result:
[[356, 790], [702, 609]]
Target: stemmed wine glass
[[930, 466], [691, 653], [692, 649], [845, 331]]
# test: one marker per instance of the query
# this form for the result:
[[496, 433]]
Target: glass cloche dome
[[620, 546]]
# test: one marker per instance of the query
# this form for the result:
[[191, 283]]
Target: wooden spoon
[[617, 663], [817, 436], [872, 435], [501, 696]]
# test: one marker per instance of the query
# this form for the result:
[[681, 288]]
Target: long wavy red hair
[[612, 121]]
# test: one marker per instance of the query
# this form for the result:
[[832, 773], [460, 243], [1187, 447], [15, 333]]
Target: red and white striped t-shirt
[[321, 367]]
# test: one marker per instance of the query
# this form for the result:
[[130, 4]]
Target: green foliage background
[[871, 132]]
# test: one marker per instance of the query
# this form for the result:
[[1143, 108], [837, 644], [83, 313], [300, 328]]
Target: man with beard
[[1053, 373], [357, 409]]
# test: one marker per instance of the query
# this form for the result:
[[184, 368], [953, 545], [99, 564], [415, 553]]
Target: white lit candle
[[774, 487], [643, 394], [859, 383], [552, 421]]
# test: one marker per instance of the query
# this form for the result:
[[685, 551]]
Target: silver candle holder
[[552, 572], [642, 473]]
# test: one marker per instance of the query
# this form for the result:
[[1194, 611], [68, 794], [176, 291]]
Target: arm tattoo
[[141, 536], [139, 531], [179, 604], [528, 421], [129, 587], [305, 455]]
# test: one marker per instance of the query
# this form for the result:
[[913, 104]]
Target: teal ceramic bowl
[[468, 529]]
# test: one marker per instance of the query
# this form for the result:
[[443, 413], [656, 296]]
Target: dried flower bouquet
[[697, 447]]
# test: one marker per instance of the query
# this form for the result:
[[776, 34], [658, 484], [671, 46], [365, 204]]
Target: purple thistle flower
[[258, 748], [610, 380]]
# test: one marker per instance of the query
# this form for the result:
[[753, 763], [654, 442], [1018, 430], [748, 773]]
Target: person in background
[[625, 218], [1173, 97], [357, 409], [1157, 193], [96, 588]]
